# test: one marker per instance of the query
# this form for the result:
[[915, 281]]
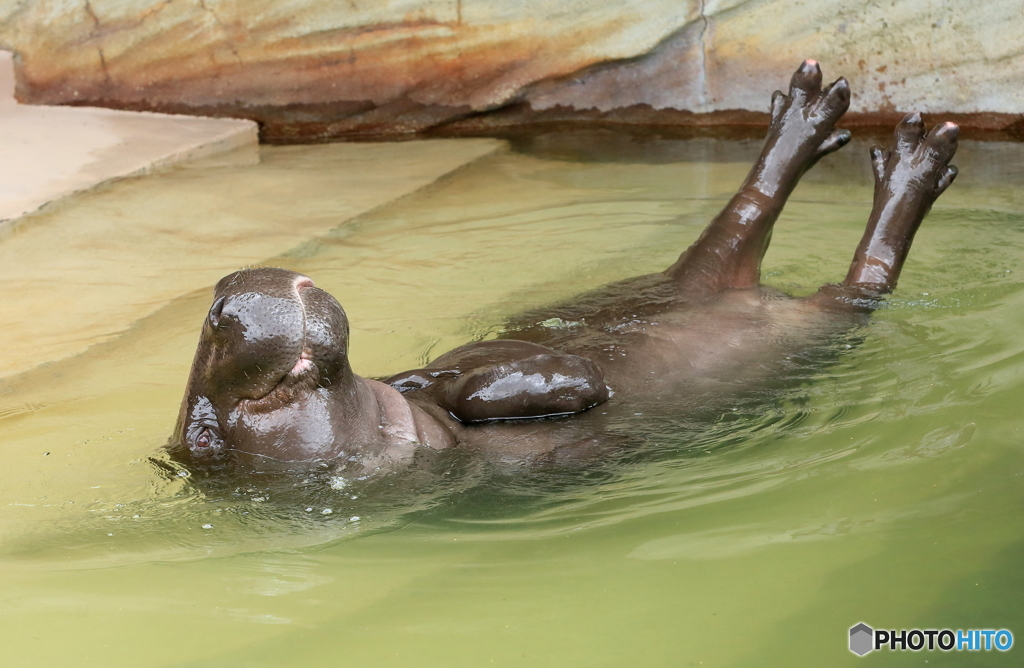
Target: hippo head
[[271, 377]]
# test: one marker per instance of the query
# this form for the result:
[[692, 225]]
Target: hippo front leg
[[728, 254], [505, 379], [542, 385]]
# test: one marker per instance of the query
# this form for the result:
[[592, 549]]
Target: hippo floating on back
[[271, 381]]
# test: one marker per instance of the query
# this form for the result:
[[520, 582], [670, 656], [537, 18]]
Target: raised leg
[[728, 254], [908, 179]]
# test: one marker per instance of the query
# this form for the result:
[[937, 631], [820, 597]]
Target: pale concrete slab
[[7, 79], [87, 268], [47, 153]]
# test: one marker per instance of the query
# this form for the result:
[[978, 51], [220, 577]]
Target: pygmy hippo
[[271, 381]]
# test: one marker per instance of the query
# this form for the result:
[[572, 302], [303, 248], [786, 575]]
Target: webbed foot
[[909, 177], [729, 252], [802, 128], [916, 169]]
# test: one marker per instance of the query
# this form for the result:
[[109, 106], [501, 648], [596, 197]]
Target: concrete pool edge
[[54, 152], [144, 261]]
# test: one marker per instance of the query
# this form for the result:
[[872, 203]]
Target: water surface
[[885, 487]]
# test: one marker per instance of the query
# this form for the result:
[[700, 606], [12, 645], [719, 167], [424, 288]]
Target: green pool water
[[886, 487]]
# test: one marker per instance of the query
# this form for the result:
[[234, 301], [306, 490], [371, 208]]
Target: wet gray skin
[[271, 381]]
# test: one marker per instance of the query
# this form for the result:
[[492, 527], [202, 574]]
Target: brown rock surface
[[311, 69]]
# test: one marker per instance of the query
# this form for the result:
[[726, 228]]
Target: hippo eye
[[215, 311], [206, 443]]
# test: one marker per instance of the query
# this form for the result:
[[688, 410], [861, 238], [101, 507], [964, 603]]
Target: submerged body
[[271, 381]]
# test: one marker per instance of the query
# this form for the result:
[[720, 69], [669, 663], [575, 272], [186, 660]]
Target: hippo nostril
[[215, 312], [303, 282]]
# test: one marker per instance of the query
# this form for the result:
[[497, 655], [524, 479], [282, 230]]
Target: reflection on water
[[884, 486]]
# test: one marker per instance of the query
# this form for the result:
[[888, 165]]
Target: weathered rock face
[[317, 68]]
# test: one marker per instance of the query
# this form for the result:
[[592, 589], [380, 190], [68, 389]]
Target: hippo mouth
[[304, 374]]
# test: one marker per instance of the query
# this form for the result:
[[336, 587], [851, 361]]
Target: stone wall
[[323, 68]]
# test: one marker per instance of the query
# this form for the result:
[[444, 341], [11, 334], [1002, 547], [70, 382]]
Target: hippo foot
[[803, 122], [909, 177], [916, 169]]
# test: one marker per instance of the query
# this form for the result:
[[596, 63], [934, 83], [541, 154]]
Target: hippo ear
[[215, 312]]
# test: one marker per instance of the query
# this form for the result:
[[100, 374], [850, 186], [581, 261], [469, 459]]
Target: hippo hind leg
[[728, 253], [909, 177]]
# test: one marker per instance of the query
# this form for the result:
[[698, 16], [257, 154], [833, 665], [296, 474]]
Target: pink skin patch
[[303, 365]]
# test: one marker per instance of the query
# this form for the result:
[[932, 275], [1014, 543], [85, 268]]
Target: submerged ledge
[[100, 261]]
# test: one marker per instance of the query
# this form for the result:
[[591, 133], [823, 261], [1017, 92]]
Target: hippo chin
[[271, 381]]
